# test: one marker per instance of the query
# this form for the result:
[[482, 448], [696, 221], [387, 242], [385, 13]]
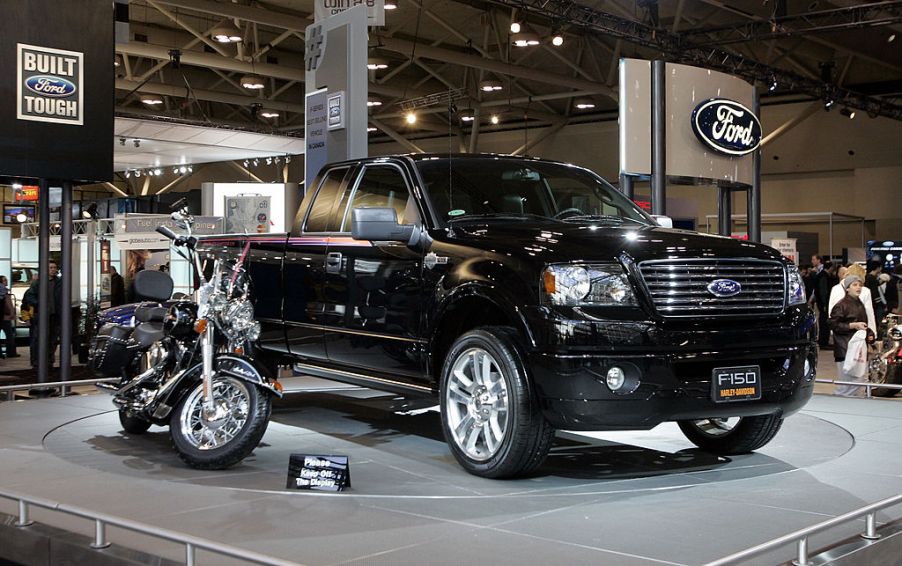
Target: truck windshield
[[509, 189]]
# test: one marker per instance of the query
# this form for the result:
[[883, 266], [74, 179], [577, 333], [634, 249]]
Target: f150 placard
[[49, 85]]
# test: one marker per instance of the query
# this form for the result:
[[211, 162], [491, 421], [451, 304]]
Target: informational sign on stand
[[322, 473], [787, 247]]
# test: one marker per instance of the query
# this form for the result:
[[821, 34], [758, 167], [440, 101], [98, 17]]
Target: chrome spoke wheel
[[476, 399], [209, 431], [717, 427]]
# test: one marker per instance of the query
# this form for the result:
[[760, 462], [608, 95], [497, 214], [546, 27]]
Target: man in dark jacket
[[54, 309], [846, 319], [821, 285], [117, 288]]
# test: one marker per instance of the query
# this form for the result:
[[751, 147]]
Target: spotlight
[[151, 99], [175, 58], [269, 160], [190, 169], [495, 119], [269, 113], [891, 38], [121, 141], [773, 84], [252, 82], [90, 212], [411, 118], [247, 163], [490, 86], [128, 173], [371, 129], [175, 170], [137, 143], [391, 5], [557, 40], [828, 102], [515, 22], [137, 173], [850, 114], [525, 39], [467, 116], [373, 102], [226, 33], [116, 61], [584, 103], [256, 162], [17, 186], [287, 159], [21, 218], [376, 63]]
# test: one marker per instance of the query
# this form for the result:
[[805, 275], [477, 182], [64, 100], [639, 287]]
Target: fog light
[[616, 378]]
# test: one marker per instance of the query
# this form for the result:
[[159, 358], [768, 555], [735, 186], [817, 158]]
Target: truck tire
[[132, 425], [736, 435], [217, 444], [490, 415]]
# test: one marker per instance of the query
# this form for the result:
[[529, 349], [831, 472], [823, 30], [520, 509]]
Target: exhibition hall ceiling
[[441, 56]]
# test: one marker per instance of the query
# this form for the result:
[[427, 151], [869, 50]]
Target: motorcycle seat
[[150, 313], [147, 333]]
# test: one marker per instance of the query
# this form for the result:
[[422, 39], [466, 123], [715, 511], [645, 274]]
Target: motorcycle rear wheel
[[224, 439]]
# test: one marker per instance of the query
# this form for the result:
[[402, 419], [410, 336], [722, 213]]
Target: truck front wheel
[[736, 435], [490, 415]]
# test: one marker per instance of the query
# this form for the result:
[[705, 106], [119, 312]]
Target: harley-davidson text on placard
[[49, 85]]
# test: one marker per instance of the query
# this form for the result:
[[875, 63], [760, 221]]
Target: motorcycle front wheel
[[226, 436]]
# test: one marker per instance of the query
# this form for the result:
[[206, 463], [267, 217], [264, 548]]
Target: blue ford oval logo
[[724, 288], [726, 126], [47, 85]]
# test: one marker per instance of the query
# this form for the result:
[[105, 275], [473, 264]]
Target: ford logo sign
[[726, 126], [723, 288], [47, 85]]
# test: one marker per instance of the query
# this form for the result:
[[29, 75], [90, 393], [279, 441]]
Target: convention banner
[[57, 97], [375, 9]]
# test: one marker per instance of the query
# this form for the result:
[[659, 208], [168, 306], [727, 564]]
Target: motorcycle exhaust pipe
[[107, 388]]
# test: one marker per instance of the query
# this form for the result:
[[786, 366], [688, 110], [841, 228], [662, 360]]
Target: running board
[[369, 381]]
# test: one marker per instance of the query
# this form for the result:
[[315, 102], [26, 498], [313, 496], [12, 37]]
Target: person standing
[[870, 281], [54, 309], [847, 319], [117, 288], [7, 318], [821, 285]]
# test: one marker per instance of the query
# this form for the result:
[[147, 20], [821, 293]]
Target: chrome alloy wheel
[[477, 404], [717, 427], [211, 431]]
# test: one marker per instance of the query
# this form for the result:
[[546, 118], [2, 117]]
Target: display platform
[[607, 498]]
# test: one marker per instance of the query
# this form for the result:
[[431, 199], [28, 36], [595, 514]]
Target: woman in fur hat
[[848, 318]]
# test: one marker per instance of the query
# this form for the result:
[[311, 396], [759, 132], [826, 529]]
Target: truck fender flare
[[490, 293]]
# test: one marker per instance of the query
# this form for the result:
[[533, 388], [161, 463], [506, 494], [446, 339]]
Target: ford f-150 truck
[[527, 296]]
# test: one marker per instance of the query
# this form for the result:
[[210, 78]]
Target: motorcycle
[[187, 363], [886, 365]]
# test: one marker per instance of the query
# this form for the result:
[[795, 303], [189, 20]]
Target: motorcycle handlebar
[[167, 232]]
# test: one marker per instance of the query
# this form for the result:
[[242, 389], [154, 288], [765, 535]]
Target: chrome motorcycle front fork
[[207, 353]]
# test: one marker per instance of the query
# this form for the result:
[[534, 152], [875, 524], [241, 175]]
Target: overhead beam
[[246, 13], [393, 134], [208, 95]]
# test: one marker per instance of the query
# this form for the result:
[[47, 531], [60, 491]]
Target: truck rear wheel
[[490, 415], [735, 435]]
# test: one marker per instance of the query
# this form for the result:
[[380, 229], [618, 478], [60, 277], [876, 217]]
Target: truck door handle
[[333, 262]]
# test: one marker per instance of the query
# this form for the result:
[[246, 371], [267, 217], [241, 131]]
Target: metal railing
[[102, 227], [64, 386], [101, 520], [800, 537], [868, 385]]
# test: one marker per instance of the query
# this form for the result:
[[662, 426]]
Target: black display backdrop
[[63, 150]]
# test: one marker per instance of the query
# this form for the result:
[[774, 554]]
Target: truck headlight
[[574, 285], [795, 290]]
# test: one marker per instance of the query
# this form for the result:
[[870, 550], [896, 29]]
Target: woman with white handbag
[[849, 322]]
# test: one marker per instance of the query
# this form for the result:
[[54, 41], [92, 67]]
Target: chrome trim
[[365, 377], [356, 332]]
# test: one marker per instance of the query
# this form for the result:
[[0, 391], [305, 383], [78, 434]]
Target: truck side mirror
[[663, 221], [381, 225]]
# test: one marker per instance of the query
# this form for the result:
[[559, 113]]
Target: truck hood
[[553, 242]]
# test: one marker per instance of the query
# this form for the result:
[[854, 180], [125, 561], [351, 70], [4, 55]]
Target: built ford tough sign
[[527, 296]]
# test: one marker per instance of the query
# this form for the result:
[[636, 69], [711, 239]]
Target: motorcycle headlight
[[574, 285], [795, 289]]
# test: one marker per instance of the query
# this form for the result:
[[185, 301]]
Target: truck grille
[[679, 288]]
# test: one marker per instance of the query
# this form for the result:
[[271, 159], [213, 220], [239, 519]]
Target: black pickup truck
[[526, 296]]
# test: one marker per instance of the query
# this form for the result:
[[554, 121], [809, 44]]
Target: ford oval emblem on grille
[[724, 288]]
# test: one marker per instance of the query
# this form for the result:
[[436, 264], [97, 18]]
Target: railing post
[[189, 554], [99, 535], [24, 521], [802, 558], [870, 532]]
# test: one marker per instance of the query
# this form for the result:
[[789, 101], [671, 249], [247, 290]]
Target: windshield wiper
[[600, 218], [497, 216]]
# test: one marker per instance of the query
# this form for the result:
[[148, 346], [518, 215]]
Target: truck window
[[324, 216], [384, 186]]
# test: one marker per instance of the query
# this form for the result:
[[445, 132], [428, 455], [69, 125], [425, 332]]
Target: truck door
[[304, 271], [373, 290], [264, 266]]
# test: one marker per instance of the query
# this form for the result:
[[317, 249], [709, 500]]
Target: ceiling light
[[391, 5], [175, 170], [584, 103], [117, 61], [17, 186], [773, 83], [847, 113], [269, 160], [128, 173], [525, 39], [557, 40], [21, 218], [269, 113], [376, 63], [828, 102], [515, 22], [256, 162], [467, 116], [495, 119], [891, 38], [158, 172], [151, 99], [374, 102], [226, 33], [490, 86], [371, 129], [410, 118], [137, 173], [247, 163], [137, 143], [252, 82]]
